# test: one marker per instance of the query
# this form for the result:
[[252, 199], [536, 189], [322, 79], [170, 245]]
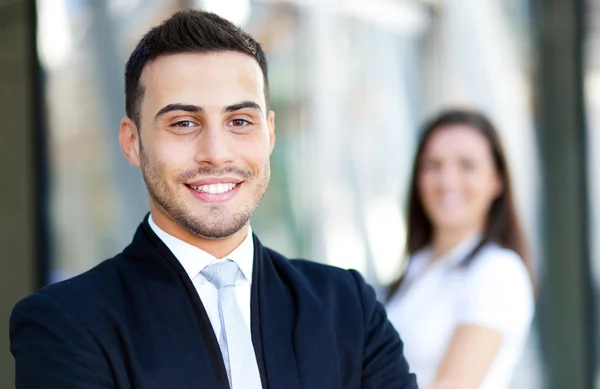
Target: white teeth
[[214, 188]]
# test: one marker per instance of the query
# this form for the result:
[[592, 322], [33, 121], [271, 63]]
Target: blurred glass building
[[351, 82]]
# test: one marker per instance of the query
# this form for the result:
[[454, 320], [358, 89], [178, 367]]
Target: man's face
[[204, 140]]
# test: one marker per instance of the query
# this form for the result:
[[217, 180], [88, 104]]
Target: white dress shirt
[[194, 260], [494, 291]]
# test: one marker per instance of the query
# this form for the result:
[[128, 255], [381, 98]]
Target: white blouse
[[494, 291]]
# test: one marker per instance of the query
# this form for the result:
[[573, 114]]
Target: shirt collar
[[462, 249], [194, 259], [453, 257]]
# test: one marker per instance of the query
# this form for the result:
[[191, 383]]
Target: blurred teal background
[[351, 83]]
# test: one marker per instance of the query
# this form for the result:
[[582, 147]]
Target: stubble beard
[[217, 222]]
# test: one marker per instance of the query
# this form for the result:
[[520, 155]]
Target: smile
[[214, 188]]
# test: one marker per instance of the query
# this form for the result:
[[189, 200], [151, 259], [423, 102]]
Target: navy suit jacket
[[136, 321]]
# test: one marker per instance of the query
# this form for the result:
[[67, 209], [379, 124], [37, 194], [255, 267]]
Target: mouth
[[214, 193], [450, 201], [214, 188]]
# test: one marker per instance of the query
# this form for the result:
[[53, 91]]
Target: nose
[[214, 146], [448, 178]]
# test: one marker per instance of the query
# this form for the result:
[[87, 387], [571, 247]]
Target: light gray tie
[[234, 340]]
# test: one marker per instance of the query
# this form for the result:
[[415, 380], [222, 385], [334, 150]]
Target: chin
[[450, 223], [212, 229]]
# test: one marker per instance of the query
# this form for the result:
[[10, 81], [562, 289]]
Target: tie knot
[[221, 274]]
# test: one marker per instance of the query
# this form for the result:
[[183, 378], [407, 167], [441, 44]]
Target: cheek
[[169, 159], [173, 146], [481, 190], [427, 188], [177, 157], [255, 156]]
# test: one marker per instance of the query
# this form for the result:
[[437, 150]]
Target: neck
[[444, 240], [217, 247]]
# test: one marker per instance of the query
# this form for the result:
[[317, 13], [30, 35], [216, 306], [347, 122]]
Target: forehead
[[460, 140], [208, 80]]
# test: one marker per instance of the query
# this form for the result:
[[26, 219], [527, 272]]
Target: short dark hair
[[189, 31], [503, 223]]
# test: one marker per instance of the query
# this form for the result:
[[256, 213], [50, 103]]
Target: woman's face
[[457, 178]]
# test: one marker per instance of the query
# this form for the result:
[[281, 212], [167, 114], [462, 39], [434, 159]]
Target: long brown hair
[[502, 226]]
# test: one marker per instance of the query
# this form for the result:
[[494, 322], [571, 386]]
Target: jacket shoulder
[[324, 280], [101, 283], [320, 273]]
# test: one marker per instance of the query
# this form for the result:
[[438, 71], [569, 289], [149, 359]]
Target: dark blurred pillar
[[19, 190], [566, 306]]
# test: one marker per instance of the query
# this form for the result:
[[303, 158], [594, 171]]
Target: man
[[195, 301]]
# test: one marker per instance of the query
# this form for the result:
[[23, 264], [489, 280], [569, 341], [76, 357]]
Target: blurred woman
[[465, 301]]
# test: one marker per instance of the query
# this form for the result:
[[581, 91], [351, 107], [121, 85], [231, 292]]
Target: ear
[[271, 125], [130, 141]]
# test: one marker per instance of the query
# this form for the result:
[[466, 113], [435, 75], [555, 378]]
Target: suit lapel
[[299, 345], [277, 317], [173, 295], [255, 326]]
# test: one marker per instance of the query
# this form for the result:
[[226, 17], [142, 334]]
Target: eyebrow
[[197, 109], [243, 105], [178, 107]]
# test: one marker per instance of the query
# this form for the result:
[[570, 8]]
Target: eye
[[431, 164], [183, 124], [239, 123]]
